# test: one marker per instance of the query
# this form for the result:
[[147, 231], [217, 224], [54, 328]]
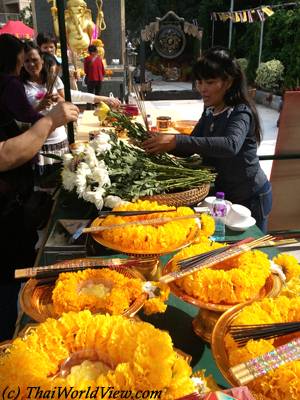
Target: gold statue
[[79, 24]]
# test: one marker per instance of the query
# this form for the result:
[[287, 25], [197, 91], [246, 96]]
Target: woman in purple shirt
[[14, 106]]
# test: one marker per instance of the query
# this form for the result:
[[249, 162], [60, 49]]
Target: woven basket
[[186, 198]]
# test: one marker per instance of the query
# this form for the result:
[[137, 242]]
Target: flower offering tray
[[36, 296], [120, 247], [209, 313]]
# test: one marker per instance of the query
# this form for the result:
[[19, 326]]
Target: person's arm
[[77, 97], [60, 87], [84, 97], [20, 149], [225, 146]]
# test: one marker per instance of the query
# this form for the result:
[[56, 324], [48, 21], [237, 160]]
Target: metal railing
[[4, 17], [291, 156]]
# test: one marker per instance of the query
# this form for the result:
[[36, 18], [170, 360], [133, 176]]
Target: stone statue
[[79, 24]]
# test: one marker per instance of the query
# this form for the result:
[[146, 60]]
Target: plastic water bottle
[[149, 121], [219, 211]]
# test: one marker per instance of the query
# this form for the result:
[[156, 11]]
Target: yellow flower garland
[[149, 238], [289, 264], [284, 382], [76, 291], [207, 227], [231, 282], [132, 356]]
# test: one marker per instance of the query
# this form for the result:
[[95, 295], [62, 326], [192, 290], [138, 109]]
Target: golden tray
[[36, 296], [218, 347], [209, 313], [118, 247]]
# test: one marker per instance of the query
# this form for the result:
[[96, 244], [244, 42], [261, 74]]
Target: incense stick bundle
[[154, 221], [132, 213], [252, 369], [51, 82], [76, 265], [243, 333], [211, 260], [141, 105]]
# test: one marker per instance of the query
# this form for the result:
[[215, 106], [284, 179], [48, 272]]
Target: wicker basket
[[186, 198]]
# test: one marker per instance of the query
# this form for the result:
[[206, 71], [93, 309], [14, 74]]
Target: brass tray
[[218, 348], [209, 313], [36, 296], [272, 288], [118, 247]]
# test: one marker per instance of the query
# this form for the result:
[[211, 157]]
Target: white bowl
[[242, 226], [238, 214]]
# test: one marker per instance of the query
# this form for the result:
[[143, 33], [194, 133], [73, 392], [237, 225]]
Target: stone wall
[[114, 35]]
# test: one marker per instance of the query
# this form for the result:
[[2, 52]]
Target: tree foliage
[[26, 15]]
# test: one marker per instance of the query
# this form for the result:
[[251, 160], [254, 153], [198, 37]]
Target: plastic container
[[219, 211]]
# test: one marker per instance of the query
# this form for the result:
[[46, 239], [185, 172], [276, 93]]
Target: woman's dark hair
[[25, 77], [10, 48], [218, 62], [50, 60], [45, 38], [92, 48]]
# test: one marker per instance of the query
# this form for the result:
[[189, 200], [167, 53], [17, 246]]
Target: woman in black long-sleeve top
[[16, 184], [227, 135]]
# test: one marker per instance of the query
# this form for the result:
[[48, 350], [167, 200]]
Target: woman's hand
[[45, 102], [110, 101], [56, 98], [160, 143], [63, 113], [113, 102]]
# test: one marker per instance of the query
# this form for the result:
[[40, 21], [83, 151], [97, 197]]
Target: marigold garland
[[284, 382], [138, 356], [114, 292], [149, 238], [289, 265], [207, 227], [234, 281]]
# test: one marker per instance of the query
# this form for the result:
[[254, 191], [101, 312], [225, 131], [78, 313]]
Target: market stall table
[[179, 315]]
